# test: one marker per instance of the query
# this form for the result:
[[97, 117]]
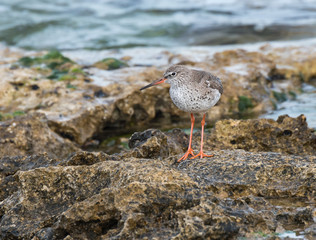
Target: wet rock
[[9, 166], [287, 135], [29, 135], [234, 194]]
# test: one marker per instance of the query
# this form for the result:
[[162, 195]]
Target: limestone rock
[[50, 189], [153, 143], [286, 135], [10, 165], [235, 193], [29, 135]]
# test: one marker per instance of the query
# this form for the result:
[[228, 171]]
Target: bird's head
[[172, 75]]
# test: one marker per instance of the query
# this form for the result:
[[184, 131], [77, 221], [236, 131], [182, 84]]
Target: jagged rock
[[142, 192], [10, 165], [85, 158], [235, 193], [152, 143], [29, 135], [286, 135]]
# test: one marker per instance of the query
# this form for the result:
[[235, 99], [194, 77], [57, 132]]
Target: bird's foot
[[201, 154], [185, 156]]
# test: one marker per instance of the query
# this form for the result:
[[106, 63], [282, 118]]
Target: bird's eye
[[173, 74]]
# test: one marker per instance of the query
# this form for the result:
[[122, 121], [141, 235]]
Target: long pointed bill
[[154, 83]]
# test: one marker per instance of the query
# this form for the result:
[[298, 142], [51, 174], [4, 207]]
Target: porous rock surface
[[261, 179], [236, 193], [286, 135], [143, 193], [31, 134]]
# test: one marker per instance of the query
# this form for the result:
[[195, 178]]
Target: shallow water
[[305, 103], [102, 24]]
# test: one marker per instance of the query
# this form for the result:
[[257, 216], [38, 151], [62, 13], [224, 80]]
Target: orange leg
[[201, 154], [190, 150]]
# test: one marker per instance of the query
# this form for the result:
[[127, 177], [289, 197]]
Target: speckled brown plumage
[[192, 91]]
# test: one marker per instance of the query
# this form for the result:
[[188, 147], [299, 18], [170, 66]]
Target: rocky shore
[[261, 183]]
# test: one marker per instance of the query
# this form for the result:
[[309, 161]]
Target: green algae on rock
[[7, 116], [110, 64], [52, 60], [244, 103], [61, 68], [279, 96]]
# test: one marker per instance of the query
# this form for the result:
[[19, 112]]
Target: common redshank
[[192, 91]]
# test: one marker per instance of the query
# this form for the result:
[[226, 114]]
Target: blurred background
[[106, 24], [154, 33], [88, 31]]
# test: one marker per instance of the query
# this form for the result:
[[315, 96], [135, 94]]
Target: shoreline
[[149, 62]]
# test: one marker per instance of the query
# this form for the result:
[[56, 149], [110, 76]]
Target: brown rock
[[235, 193], [29, 135], [287, 135], [10, 165], [142, 193], [153, 143]]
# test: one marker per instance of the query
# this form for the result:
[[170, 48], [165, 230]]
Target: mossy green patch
[[69, 85], [67, 77], [51, 60], [110, 64], [28, 61], [113, 144], [18, 113], [244, 103], [274, 105], [7, 116], [58, 66], [77, 70], [293, 95], [56, 56], [279, 96], [57, 74], [125, 145]]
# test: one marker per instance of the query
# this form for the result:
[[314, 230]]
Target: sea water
[[103, 24], [89, 30]]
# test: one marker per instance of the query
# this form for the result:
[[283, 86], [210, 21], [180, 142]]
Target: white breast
[[192, 100]]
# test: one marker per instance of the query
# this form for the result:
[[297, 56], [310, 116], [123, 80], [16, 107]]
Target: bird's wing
[[209, 80]]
